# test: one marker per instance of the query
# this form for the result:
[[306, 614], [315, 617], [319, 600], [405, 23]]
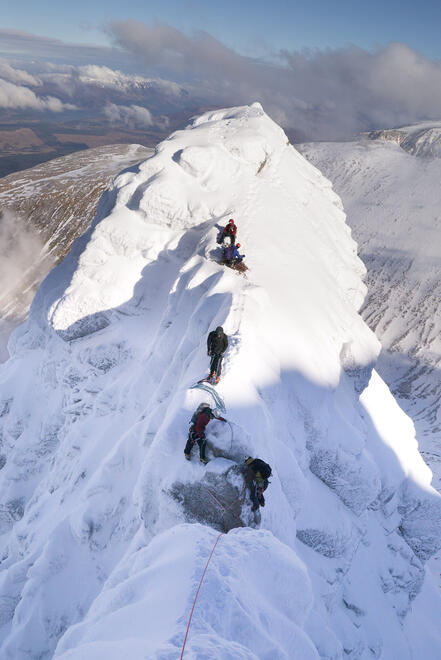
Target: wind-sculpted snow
[[262, 618], [107, 528]]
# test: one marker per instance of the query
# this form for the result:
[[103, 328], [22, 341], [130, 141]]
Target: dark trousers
[[216, 364], [231, 237], [256, 492], [192, 438]]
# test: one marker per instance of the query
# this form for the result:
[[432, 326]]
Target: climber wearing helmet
[[217, 344], [257, 473], [232, 256], [202, 415], [230, 231]]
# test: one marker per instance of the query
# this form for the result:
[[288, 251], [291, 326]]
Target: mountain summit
[[112, 540]]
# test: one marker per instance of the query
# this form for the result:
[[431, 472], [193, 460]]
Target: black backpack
[[260, 466]]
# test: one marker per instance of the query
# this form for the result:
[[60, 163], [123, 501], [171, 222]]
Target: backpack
[[201, 408], [260, 466], [228, 252]]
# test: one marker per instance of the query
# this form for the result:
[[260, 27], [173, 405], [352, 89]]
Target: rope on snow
[[197, 593]]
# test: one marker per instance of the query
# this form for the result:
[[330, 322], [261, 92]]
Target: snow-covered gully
[[107, 529]]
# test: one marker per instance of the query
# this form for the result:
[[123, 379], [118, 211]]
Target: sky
[[253, 27], [324, 68]]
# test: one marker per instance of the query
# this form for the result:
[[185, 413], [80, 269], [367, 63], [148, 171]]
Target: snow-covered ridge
[[54, 203], [95, 409], [422, 139]]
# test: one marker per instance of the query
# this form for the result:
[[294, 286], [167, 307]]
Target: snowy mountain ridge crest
[[422, 139], [101, 515]]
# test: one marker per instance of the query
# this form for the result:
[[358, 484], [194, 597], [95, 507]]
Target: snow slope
[[51, 205], [102, 556], [393, 202]]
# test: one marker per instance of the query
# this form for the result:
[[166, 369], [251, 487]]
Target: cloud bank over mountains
[[133, 116], [17, 76], [20, 97], [154, 70]]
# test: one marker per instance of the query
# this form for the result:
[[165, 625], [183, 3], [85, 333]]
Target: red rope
[[215, 499], [220, 503], [197, 594]]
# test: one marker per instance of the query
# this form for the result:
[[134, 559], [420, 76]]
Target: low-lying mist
[[23, 264]]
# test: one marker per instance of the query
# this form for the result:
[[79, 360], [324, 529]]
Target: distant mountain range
[[423, 139]]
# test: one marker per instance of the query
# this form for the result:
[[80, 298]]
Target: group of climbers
[[231, 256], [256, 471]]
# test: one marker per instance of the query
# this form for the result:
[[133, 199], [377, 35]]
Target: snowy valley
[[103, 547]]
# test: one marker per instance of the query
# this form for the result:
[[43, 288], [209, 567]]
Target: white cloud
[[133, 116], [23, 262], [94, 74], [319, 94], [103, 75], [323, 93], [80, 81], [17, 96], [352, 89], [17, 76], [20, 246]]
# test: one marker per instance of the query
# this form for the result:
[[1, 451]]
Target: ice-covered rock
[[220, 499]]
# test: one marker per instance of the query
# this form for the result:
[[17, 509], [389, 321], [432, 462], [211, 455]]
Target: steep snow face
[[393, 202], [102, 554]]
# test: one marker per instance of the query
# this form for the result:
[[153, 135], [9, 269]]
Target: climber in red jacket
[[231, 231], [199, 421]]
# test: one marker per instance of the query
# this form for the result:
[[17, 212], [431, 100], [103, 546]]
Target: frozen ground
[[101, 557]]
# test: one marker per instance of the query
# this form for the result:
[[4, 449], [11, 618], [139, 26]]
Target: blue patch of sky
[[253, 27]]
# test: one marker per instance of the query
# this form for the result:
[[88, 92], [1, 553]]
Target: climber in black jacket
[[217, 344], [257, 474]]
